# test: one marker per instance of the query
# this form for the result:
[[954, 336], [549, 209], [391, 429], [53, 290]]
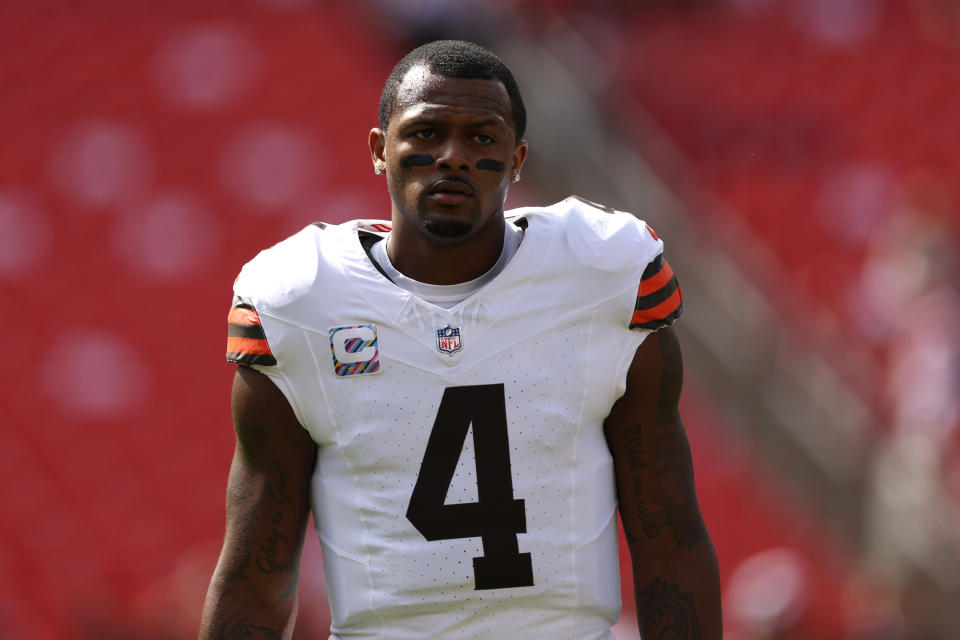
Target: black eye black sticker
[[491, 165], [416, 160]]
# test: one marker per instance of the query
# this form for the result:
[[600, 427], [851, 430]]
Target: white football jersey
[[463, 487]]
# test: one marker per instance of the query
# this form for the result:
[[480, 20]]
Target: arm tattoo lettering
[[667, 614], [684, 520], [636, 456], [657, 452], [269, 559]]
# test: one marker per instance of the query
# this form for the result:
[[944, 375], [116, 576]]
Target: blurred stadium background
[[801, 158]]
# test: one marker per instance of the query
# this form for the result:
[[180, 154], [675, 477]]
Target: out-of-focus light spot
[[768, 589], [24, 234], [101, 163], [285, 4], [268, 166], [855, 200], [838, 22], [93, 373], [750, 6], [170, 236], [207, 68]]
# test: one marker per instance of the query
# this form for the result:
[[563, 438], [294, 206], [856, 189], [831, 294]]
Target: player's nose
[[452, 156]]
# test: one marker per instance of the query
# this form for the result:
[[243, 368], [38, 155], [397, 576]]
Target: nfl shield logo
[[448, 339]]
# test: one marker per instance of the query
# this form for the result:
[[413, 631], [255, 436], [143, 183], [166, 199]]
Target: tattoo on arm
[[669, 455], [275, 553], [657, 454], [269, 559], [667, 614]]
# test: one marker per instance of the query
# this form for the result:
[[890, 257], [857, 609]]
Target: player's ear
[[378, 148], [519, 157]]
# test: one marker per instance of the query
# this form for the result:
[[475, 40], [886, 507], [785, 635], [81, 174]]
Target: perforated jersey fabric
[[463, 486]]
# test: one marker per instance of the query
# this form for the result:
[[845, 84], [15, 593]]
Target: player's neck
[[420, 258]]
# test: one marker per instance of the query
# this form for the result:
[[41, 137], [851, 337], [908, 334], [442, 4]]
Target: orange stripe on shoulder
[[660, 311], [652, 232], [657, 280], [239, 315], [248, 345]]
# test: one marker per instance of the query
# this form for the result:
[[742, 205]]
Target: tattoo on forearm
[[683, 521], [667, 614], [669, 454], [636, 456], [270, 557], [240, 628]]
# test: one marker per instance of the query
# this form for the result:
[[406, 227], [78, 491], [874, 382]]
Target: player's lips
[[450, 190]]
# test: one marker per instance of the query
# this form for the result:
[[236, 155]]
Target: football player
[[463, 398]]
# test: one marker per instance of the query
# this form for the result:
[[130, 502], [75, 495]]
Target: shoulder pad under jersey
[[606, 239], [283, 273]]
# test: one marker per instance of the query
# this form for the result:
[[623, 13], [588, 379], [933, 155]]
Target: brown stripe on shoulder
[[246, 339], [266, 360], [659, 298]]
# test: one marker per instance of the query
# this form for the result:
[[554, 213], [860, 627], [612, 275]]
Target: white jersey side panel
[[464, 488]]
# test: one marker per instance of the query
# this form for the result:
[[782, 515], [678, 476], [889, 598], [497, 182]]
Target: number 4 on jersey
[[495, 517]]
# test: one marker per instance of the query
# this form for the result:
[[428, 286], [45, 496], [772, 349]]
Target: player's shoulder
[[280, 275], [600, 236], [281, 271]]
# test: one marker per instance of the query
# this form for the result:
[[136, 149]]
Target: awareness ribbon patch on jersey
[[355, 350], [659, 299], [246, 340]]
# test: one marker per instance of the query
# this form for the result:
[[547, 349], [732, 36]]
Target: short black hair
[[455, 59]]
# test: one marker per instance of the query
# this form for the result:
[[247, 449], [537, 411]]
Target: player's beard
[[449, 224], [447, 228]]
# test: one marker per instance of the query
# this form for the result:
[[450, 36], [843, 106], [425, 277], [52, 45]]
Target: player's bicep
[[654, 468], [267, 492]]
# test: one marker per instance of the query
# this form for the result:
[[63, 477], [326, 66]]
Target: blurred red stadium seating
[[815, 123]]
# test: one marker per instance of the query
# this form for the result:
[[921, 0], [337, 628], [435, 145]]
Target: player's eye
[[483, 138], [424, 134]]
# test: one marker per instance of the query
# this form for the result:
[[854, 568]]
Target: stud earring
[[378, 170], [516, 178]]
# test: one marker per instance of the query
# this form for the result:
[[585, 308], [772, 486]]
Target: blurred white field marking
[[207, 68], [25, 234], [101, 163], [269, 165], [93, 373], [169, 236]]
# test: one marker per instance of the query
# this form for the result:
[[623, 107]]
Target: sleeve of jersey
[[246, 340], [659, 299]]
